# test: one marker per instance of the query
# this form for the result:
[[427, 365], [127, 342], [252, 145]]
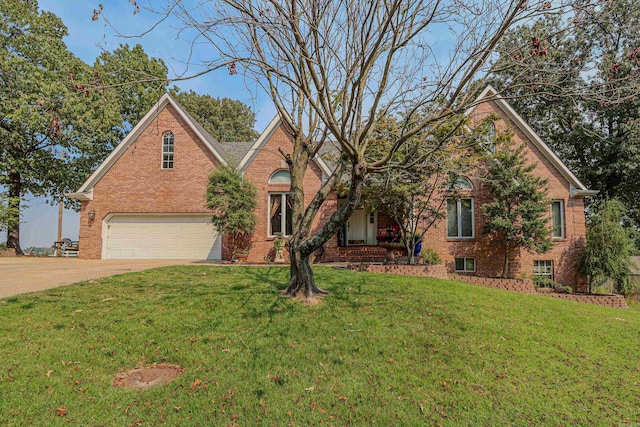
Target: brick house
[[146, 200]]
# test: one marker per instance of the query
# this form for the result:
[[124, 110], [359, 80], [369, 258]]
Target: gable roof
[[577, 188], [85, 192], [251, 154]]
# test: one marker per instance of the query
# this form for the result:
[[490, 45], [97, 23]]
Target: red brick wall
[[266, 162], [136, 183], [487, 251]]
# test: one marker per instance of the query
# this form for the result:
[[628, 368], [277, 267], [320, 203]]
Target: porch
[[357, 240]]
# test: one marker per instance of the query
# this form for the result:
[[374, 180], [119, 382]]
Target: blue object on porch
[[418, 248]]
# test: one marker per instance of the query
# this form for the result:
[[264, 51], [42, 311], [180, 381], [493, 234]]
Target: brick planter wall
[[7, 253], [518, 285], [435, 271], [617, 301]]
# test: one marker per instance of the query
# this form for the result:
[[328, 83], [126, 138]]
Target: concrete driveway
[[29, 274]]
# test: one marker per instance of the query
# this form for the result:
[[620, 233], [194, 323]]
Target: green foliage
[[8, 212], [516, 215], [546, 282], [430, 256], [48, 107], [136, 80], [225, 119], [606, 256], [414, 188], [596, 134], [233, 201], [380, 350]]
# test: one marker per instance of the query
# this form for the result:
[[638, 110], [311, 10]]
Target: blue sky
[[86, 40]]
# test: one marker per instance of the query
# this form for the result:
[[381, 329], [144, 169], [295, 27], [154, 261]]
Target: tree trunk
[[301, 281], [505, 269], [13, 225], [303, 243]]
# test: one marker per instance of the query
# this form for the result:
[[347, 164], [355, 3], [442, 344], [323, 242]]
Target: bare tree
[[334, 67]]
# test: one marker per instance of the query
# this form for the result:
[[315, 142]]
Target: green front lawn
[[380, 350]]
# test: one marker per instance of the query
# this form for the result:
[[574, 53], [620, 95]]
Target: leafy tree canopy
[[414, 194], [225, 119], [137, 80], [44, 111], [582, 95], [516, 215], [608, 248], [232, 200]]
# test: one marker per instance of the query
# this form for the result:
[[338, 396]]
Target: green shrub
[[546, 282], [430, 256]]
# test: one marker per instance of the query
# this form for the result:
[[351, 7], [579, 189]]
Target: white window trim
[[276, 173], [490, 138], [162, 153], [475, 266], [459, 218], [543, 275], [562, 224], [283, 217]]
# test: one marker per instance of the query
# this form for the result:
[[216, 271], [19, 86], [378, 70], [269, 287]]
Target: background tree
[[45, 112], [227, 120], [136, 80], [415, 196], [606, 256], [333, 68], [516, 215], [7, 215], [595, 130], [233, 201]]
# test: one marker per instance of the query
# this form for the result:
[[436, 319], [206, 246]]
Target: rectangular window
[[167, 151], [465, 265], [557, 219], [460, 217], [280, 214], [543, 268]]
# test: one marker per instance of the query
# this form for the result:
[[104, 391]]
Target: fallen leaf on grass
[[61, 411], [308, 389], [48, 373]]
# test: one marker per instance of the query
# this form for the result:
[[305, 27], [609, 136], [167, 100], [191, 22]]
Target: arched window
[[462, 183], [167, 150], [490, 138], [280, 177]]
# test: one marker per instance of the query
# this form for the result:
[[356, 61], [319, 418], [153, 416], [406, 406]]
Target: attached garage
[[160, 237]]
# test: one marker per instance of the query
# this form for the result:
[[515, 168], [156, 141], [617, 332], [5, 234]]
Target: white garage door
[[161, 237]]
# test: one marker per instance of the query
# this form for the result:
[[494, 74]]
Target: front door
[[357, 228], [361, 228]]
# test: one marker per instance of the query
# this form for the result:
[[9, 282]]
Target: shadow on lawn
[[275, 278]]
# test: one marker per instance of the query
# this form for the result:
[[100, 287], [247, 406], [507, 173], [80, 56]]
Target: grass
[[380, 350]]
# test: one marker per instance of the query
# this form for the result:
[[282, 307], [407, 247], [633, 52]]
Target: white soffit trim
[[257, 146], [133, 135], [490, 92], [80, 196], [262, 140]]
